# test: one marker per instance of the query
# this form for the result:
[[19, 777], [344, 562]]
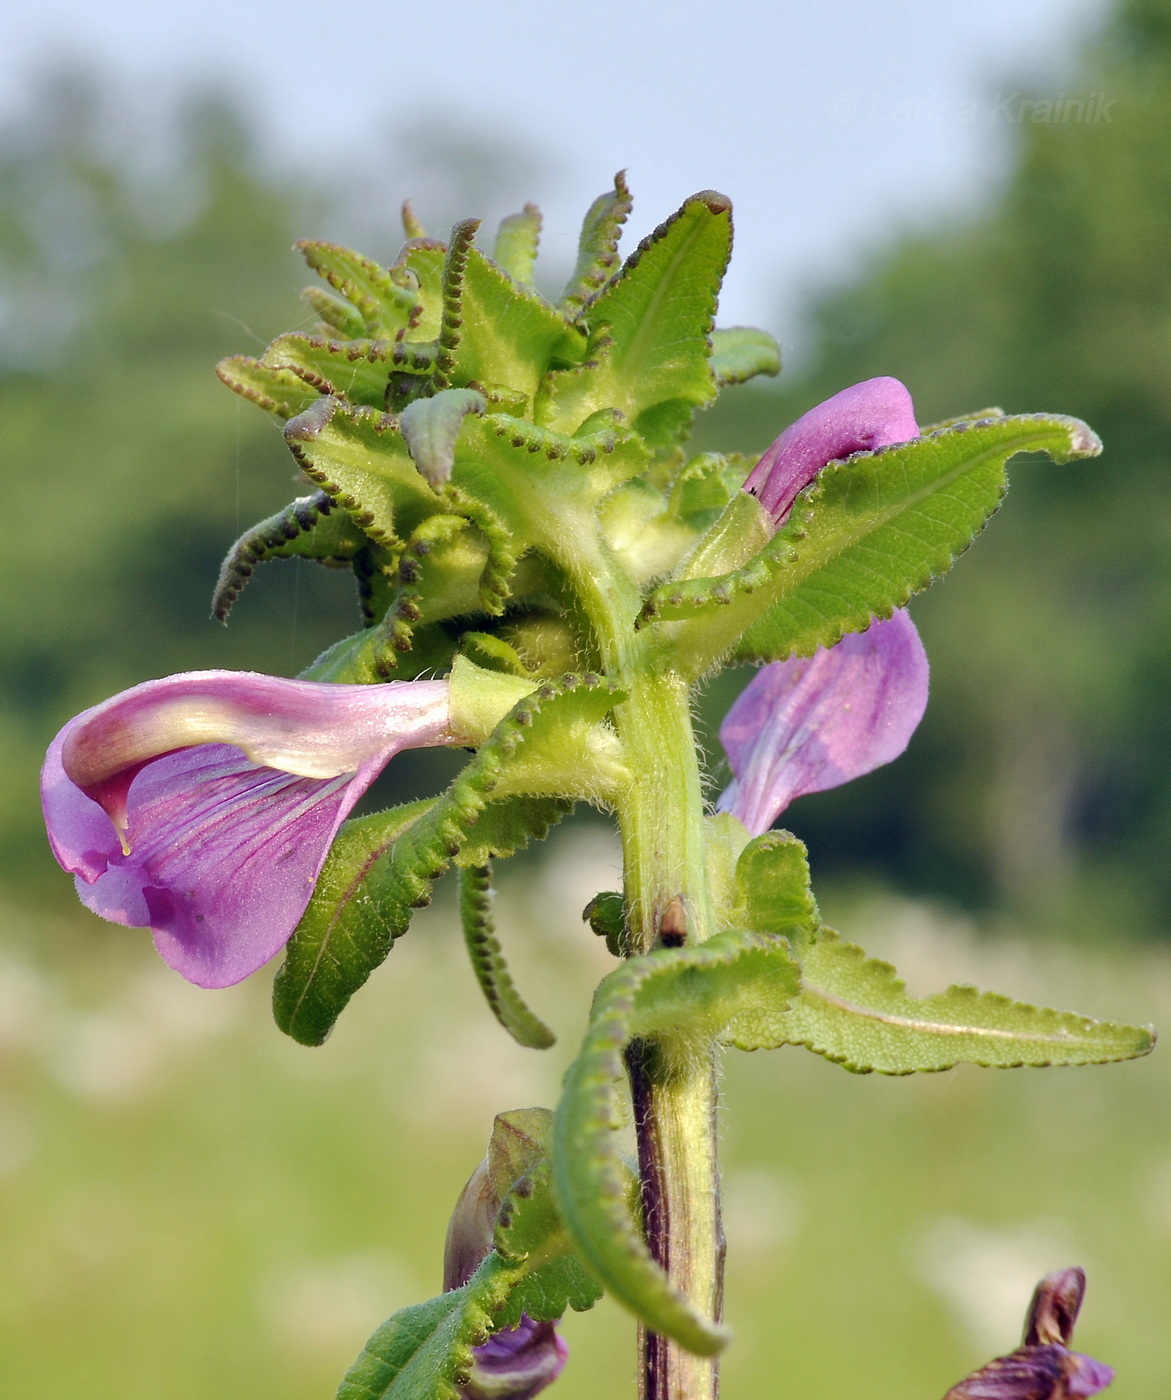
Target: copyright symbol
[[843, 107]]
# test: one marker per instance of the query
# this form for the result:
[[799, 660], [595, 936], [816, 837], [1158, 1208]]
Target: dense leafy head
[[439, 394]]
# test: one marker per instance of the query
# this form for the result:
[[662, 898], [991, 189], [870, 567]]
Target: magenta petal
[[1087, 1376], [875, 413], [816, 722], [1035, 1373], [517, 1363], [223, 852]]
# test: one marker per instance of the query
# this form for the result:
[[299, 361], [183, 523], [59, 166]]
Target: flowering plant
[[545, 576]]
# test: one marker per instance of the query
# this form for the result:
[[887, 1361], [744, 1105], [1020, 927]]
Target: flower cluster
[[202, 806]]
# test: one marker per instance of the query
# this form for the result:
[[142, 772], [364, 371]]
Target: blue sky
[[829, 123]]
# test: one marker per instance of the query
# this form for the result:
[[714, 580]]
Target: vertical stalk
[[667, 902], [674, 1108]]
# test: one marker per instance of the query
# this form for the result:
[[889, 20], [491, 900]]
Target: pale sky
[[830, 124]]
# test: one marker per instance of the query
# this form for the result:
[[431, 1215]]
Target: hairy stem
[[674, 1108], [668, 902]]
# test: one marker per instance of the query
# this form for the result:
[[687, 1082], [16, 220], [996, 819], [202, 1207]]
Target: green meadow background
[[193, 1206]]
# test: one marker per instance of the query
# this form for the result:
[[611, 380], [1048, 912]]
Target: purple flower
[[516, 1362], [202, 806], [816, 722], [1042, 1367], [875, 413]]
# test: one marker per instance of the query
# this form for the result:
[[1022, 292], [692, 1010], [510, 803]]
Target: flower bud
[[469, 1231], [517, 1362], [875, 413]]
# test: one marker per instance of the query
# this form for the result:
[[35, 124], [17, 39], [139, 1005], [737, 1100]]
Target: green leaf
[[439, 576], [277, 391], [741, 353], [704, 485], [495, 331], [529, 1228], [597, 249], [308, 528], [431, 426], [385, 300], [381, 868], [649, 330], [425, 1352], [368, 657], [736, 983], [336, 313], [424, 258], [855, 1010], [506, 1003], [543, 487], [355, 370], [606, 916], [773, 893], [515, 251], [868, 533], [359, 458]]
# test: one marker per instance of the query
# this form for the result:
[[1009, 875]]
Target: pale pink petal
[[816, 722], [875, 413]]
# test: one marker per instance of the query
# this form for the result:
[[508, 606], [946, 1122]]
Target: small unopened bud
[[1054, 1309], [516, 1362], [469, 1232]]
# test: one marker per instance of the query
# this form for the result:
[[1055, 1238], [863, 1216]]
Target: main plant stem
[[668, 903], [674, 1107]]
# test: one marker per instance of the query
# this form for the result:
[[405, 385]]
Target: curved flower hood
[[202, 806], [875, 413]]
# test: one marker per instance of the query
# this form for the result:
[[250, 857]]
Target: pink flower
[[875, 413], [202, 806]]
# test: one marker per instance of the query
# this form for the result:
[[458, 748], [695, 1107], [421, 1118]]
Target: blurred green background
[[192, 1206]]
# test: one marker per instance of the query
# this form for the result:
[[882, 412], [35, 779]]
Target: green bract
[[507, 477]]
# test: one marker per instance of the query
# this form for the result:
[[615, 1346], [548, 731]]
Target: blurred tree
[[1041, 779], [131, 260], [129, 467]]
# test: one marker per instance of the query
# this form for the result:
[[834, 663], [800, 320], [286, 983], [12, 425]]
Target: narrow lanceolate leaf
[[494, 331], [277, 391], [741, 353], [855, 1010], [515, 251], [355, 370], [384, 299], [425, 1352], [506, 1003], [308, 528], [649, 329], [597, 249], [359, 458], [868, 533], [736, 984], [381, 868], [337, 315]]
